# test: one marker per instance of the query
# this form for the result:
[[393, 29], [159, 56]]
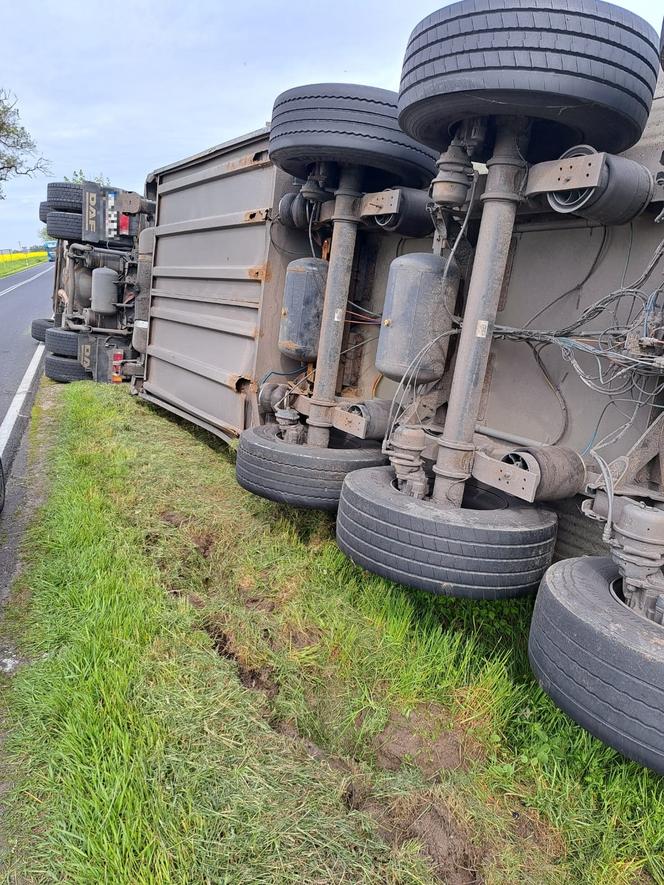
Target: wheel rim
[[616, 590], [475, 497]]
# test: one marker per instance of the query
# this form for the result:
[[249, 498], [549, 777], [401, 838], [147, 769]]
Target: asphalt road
[[23, 297]]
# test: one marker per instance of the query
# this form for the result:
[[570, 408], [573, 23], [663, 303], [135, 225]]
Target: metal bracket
[[573, 173], [342, 419], [501, 475], [380, 203], [385, 202], [647, 447]]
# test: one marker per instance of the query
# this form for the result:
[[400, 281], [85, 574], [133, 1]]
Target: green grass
[[9, 267], [137, 755]]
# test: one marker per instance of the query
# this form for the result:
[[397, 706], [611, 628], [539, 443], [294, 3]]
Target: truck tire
[[303, 476], [584, 70], [39, 327], [65, 196], [64, 225], [494, 547], [44, 209], [600, 661], [63, 368], [347, 124], [62, 342]]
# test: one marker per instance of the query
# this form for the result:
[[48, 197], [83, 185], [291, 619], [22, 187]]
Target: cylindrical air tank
[[419, 304], [302, 310], [139, 338], [82, 286], [104, 290]]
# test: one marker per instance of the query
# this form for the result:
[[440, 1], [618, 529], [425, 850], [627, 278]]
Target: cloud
[[124, 88]]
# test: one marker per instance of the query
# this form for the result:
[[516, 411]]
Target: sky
[[123, 88]]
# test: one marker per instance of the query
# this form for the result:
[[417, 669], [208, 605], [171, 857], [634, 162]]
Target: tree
[[18, 151], [79, 176]]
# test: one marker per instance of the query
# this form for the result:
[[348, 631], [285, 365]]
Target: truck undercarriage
[[440, 314], [102, 267]]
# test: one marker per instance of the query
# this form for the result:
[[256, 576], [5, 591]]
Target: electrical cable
[[281, 249], [556, 390], [284, 374], [311, 211], [365, 309], [580, 284]]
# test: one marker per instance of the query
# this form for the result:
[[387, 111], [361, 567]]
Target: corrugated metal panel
[[216, 280]]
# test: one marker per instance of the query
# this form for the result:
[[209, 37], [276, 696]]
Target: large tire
[[65, 196], [39, 328], [44, 209], [63, 368], [585, 70], [62, 342], [499, 549], [600, 662], [304, 476], [347, 124], [64, 225]]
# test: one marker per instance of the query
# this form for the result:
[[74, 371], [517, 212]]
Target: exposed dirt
[[258, 591], [301, 638], [432, 823], [358, 784], [204, 543], [421, 817], [258, 679], [259, 603], [172, 517], [425, 739]]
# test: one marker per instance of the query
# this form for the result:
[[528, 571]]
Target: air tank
[[104, 290], [419, 304], [304, 292], [82, 286], [139, 338]]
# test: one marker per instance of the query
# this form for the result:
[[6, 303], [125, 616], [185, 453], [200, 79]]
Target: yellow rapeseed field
[[17, 256]]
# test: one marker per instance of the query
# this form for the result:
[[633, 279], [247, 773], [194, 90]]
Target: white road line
[[16, 404], [23, 282]]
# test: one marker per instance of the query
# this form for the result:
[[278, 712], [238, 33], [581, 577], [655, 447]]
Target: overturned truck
[[101, 281], [441, 314]]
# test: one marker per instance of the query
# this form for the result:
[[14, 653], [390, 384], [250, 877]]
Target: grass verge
[[216, 694]]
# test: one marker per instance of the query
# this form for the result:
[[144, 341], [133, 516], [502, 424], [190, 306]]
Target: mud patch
[[425, 739], [357, 786], [430, 822], [260, 604], [255, 678], [204, 543], [303, 638], [172, 517]]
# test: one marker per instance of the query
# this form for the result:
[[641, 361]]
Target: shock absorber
[[501, 198]]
